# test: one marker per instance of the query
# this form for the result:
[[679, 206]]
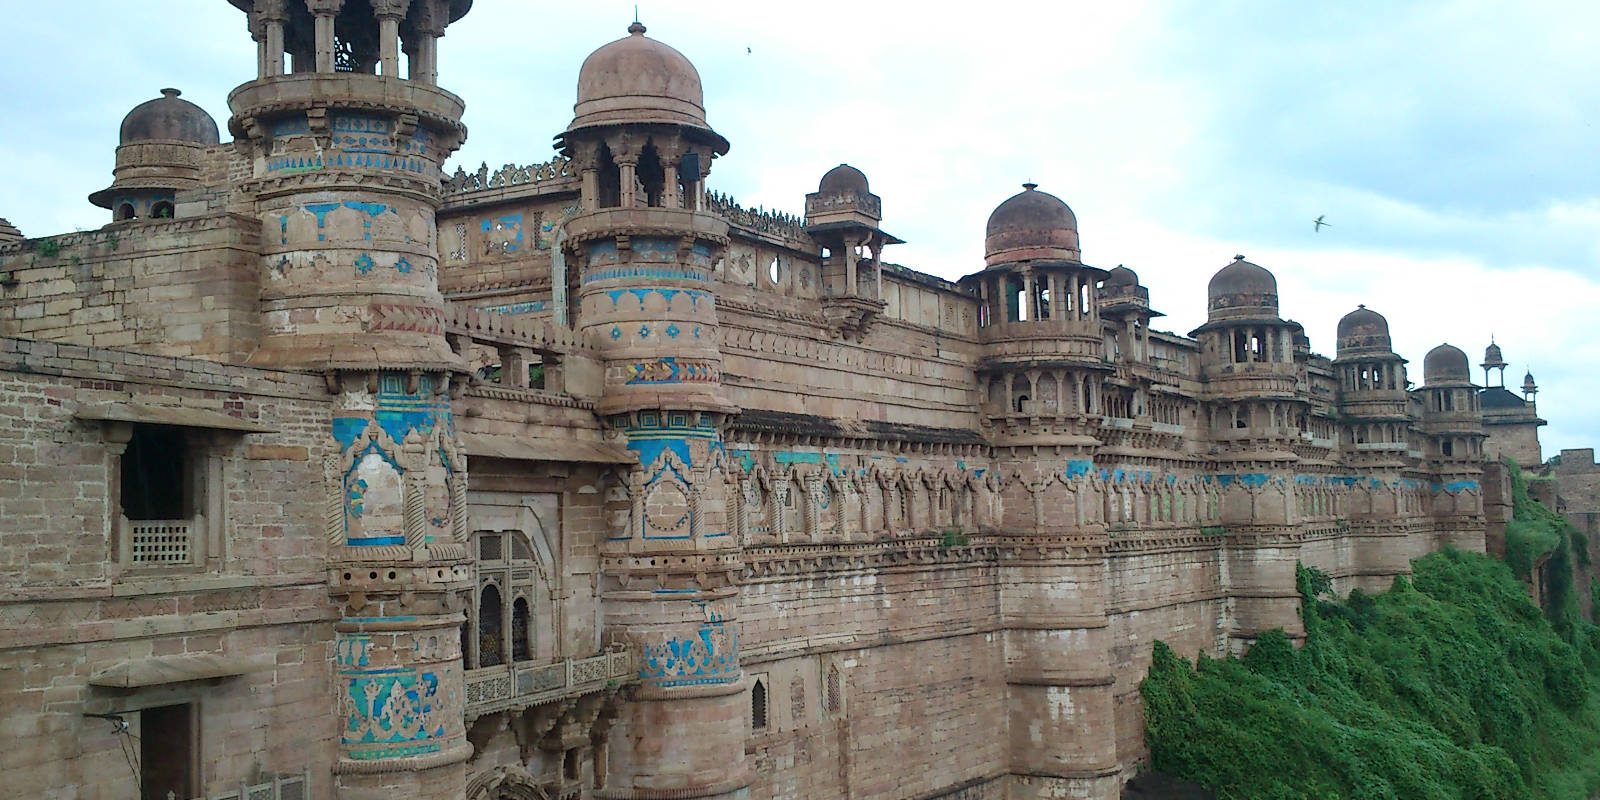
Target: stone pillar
[[849, 256], [389, 14], [324, 12], [266, 26], [1025, 309], [428, 21]]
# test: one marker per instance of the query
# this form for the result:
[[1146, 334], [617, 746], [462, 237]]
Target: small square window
[[161, 483]]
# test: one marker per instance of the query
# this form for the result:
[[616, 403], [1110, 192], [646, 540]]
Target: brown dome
[[1364, 329], [1242, 289], [1120, 277], [1445, 364], [1031, 225], [843, 179], [169, 119], [636, 80]]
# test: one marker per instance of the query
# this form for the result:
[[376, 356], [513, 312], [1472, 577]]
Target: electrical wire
[[125, 740]]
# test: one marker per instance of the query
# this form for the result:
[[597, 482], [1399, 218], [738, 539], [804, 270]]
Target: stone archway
[[504, 783]]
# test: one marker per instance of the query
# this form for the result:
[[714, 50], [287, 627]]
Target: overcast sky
[[1451, 145]]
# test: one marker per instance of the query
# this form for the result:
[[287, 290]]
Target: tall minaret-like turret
[[1042, 346], [1250, 365], [644, 253], [1453, 421], [344, 152]]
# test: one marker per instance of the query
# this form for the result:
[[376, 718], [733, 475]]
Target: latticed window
[[503, 619], [521, 623], [491, 627], [797, 700], [833, 700], [344, 56]]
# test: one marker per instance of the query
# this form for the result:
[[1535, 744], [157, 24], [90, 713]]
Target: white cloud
[[1450, 144]]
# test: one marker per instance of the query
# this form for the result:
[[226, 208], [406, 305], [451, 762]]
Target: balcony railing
[[519, 686], [282, 787]]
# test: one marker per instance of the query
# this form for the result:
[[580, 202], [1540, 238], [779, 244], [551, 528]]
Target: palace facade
[[329, 472]]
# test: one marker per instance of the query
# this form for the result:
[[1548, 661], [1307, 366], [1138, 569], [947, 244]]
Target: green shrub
[[1451, 684]]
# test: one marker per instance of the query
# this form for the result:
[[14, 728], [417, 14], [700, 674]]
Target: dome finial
[[170, 92], [637, 28], [1030, 186], [1361, 305], [1238, 257]]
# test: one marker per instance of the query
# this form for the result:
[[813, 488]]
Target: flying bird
[[1319, 224], [747, 51]]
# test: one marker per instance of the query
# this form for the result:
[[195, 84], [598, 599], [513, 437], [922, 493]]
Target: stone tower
[[1042, 368], [645, 251], [1248, 361], [159, 154], [1372, 391], [1375, 438], [344, 157], [1453, 420]]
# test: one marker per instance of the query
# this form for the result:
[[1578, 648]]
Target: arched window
[[124, 212], [758, 705], [161, 210], [608, 183], [652, 176], [521, 633], [506, 621], [491, 630]]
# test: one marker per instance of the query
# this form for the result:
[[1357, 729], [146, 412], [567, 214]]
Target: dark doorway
[[167, 762]]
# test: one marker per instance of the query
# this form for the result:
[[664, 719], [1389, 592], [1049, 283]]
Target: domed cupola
[[843, 179], [159, 152], [1121, 288], [1446, 365], [1242, 290], [843, 195], [1363, 330], [1031, 226], [169, 118], [639, 135], [638, 80], [842, 216]]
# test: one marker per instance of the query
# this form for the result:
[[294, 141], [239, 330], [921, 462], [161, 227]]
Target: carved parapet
[[758, 220], [557, 170], [501, 329]]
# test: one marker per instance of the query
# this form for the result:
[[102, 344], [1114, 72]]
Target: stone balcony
[[515, 687]]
